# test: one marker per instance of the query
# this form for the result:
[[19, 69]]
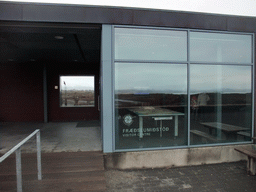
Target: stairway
[[62, 172]]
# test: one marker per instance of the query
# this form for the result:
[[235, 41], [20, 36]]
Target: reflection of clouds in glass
[[77, 82], [216, 47], [225, 78], [151, 76], [150, 44]]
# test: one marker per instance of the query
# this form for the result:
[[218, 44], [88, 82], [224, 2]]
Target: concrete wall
[[173, 157]]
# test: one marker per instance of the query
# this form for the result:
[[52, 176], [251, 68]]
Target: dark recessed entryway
[[33, 57]]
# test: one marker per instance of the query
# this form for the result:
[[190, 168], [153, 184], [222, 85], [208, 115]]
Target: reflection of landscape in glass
[[147, 84], [145, 92], [225, 79], [77, 91], [149, 44]]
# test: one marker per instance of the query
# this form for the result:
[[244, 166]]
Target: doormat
[[88, 124]]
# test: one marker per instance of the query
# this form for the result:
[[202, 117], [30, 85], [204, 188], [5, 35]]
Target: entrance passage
[[34, 58]]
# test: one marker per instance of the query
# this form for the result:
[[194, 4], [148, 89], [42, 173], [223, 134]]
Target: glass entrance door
[[77, 91], [73, 96]]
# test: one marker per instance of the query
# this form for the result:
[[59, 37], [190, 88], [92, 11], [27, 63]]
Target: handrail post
[[17, 150], [39, 166], [18, 170]]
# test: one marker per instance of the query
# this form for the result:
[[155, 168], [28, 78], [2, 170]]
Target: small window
[[150, 44], [220, 48], [77, 91]]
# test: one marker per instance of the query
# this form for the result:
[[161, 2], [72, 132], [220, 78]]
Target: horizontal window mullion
[[219, 32], [150, 61], [220, 63], [181, 62]]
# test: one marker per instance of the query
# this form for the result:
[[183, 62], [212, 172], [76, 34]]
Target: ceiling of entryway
[[50, 43]]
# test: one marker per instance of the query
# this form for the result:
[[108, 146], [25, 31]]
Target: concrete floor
[[55, 137]]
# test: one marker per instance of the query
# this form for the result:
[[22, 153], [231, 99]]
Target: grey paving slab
[[226, 177], [55, 137]]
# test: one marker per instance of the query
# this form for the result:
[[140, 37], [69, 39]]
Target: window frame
[[188, 62]]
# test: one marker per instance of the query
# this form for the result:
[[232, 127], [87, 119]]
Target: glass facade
[[181, 88]]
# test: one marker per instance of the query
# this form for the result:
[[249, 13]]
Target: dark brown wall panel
[[41, 12], [242, 24], [11, 11], [21, 96]]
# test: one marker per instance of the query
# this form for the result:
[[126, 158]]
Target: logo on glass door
[[127, 119]]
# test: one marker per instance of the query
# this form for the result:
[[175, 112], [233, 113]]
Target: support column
[[107, 114]]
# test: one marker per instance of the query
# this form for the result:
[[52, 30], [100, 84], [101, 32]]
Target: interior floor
[[55, 136]]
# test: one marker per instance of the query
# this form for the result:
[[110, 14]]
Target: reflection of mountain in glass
[[128, 99], [238, 91], [79, 87], [149, 91], [149, 99], [162, 91]]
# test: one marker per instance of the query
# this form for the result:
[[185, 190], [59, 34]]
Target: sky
[[77, 82], [229, 7]]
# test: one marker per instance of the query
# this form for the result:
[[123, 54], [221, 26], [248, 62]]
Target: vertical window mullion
[[188, 83]]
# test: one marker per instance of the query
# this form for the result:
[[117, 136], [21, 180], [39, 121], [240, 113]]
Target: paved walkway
[[55, 137], [227, 177], [68, 137]]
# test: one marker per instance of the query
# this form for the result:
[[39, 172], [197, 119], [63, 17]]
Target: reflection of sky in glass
[[215, 47], [151, 77], [220, 78], [77, 82], [150, 44]]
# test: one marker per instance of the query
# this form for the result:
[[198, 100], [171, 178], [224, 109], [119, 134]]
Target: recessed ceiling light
[[32, 60], [59, 37]]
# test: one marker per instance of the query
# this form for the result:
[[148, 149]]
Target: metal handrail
[[17, 150]]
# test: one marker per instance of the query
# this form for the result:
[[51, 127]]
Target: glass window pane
[[150, 105], [77, 91], [215, 47], [221, 103], [150, 44]]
